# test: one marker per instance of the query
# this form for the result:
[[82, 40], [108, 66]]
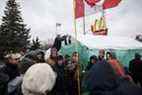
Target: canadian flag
[[88, 7]]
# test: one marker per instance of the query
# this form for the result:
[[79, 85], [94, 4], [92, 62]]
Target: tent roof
[[109, 42]]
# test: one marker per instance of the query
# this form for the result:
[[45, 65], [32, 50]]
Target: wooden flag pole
[[84, 28], [74, 6], [78, 74]]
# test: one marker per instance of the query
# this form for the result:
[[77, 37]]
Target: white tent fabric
[[109, 42]]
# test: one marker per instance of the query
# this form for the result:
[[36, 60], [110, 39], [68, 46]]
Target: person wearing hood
[[93, 60]]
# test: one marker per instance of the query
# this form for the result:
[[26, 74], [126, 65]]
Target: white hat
[[39, 78], [13, 55]]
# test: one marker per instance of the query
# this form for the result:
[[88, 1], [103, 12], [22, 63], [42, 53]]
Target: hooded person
[[93, 60], [102, 80], [38, 80]]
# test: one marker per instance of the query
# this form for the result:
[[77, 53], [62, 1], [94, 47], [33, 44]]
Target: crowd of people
[[32, 74]]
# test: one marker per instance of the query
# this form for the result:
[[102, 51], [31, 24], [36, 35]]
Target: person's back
[[135, 68], [127, 88], [102, 80], [135, 65]]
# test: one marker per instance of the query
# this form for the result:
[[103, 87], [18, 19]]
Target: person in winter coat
[[39, 80], [60, 81], [12, 71], [72, 72], [135, 68], [11, 66], [115, 64], [102, 80], [117, 67]]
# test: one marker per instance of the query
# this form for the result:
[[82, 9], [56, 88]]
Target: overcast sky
[[42, 16]]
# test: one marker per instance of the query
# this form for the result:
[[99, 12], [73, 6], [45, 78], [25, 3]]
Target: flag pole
[[76, 45], [74, 6], [84, 32]]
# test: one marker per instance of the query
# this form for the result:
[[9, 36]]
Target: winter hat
[[94, 57], [38, 80], [60, 57], [13, 55]]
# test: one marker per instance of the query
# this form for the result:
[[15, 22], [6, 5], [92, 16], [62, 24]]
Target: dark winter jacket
[[11, 70], [59, 88], [3, 83], [102, 80], [135, 67]]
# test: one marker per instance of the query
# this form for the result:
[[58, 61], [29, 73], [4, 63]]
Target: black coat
[[59, 88], [135, 67], [3, 83], [11, 70]]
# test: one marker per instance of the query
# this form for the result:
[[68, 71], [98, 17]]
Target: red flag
[[92, 2], [110, 3], [84, 8], [79, 8]]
